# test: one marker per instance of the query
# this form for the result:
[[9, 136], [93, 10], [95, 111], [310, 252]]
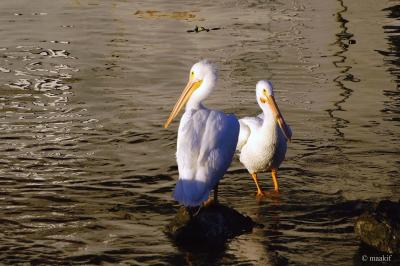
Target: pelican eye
[[265, 91]]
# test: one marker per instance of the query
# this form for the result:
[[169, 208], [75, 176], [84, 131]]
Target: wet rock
[[198, 29], [277, 260], [210, 228], [380, 228]]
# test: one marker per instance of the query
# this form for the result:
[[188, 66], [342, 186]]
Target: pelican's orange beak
[[185, 96], [278, 116]]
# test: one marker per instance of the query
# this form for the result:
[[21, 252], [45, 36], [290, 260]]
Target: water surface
[[87, 170]]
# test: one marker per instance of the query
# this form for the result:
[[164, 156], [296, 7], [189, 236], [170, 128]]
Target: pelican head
[[266, 100], [202, 79]]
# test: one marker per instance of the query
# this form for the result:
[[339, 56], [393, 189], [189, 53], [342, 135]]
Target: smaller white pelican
[[206, 139], [262, 139]]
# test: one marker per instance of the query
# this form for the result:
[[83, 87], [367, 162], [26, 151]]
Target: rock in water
[[381, 227], [210, 228]]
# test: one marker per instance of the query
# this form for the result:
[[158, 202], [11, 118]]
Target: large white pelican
[[262, 139], [206, 139]]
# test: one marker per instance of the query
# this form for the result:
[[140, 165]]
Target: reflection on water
[[343, 41], [87, 172], [392, 59]]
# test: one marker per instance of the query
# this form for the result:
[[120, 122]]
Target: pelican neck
[[268, 118], [194, 106]]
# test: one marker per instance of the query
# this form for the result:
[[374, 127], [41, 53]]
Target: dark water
[[87, 171]]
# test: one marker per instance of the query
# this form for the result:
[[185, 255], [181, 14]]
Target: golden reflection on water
[[178, 15]]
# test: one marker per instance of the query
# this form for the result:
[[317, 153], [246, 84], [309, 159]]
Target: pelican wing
[[206, 144], [246, 124]]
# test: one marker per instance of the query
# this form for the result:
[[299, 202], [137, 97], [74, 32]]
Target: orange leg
[[274, 173], [260, 192], [210, 200]]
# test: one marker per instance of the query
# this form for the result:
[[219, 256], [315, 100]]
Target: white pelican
[[262, 139], [206, 139]]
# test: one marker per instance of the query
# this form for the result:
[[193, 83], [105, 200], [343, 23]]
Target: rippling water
[[86, 170]]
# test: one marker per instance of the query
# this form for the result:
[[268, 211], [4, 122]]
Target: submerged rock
[[210, 228], [380, 228], [198, 29]]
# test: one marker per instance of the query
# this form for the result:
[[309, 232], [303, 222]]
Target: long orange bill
[[187, 92], [279, 117]]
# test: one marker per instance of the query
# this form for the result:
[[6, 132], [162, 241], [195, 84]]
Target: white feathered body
[[262, 144], [206, 145]]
